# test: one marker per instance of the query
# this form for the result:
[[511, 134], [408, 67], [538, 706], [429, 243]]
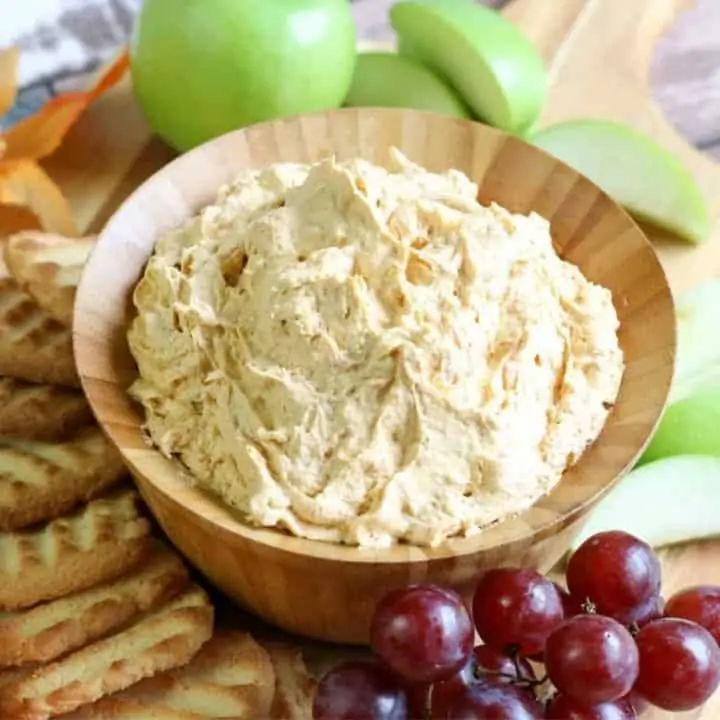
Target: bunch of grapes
[[608, 646]]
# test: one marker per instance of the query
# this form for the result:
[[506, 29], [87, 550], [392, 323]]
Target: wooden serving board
[[598, 53]]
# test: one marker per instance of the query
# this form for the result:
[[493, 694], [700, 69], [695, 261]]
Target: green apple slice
[[691, 423], [384, 79], [493, 66], [666, 502], [697, 365], [648, 180]]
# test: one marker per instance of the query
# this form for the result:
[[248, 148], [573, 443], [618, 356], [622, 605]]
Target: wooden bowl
[[328, 591]]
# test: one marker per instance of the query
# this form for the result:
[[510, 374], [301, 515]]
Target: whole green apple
[[202, 68]]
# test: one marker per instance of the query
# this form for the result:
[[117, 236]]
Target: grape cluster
[[608, 646]]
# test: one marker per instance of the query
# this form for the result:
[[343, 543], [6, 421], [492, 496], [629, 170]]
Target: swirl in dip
[[368, 355]]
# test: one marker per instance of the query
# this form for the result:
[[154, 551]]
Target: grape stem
[[515, 655], [427, 703], [514, 678]]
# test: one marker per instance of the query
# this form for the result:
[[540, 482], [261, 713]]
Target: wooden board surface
[[684, 73], [598, 54]]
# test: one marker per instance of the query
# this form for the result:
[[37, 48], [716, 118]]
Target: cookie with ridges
[[48, 267], [55, 628], [34, 346], [47, 413], [102, 540], [231, 677], [40, 481], [161, 640]]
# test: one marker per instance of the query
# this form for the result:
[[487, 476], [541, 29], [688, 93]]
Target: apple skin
[[666, 502], [385, 79], [697, 365], [678, 477], [202, 68], [691, 425], [691, 422], [648, 180], [484, 57]]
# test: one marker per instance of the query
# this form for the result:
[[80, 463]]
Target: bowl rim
[[169, 478]]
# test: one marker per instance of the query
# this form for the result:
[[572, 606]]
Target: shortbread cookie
[[48, 267], [48, 631], [41, 412], [101, 541], [164, 639], [9, 675], [231, 677], [294, 686], [40, 481], [33, 345]]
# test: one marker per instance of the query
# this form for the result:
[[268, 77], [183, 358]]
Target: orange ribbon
[[29, 198]]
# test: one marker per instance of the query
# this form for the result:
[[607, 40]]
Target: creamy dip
[[368, 355]]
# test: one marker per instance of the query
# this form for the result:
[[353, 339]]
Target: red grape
[[483, 658], [418, 696], [645, 613], [491, 660], [423, 633], [455, 684], [679, 664], [700, 604], [514, 607], [563, 707], [617, 572], [571, 606], [359, 691], [488, 701], [592, 658]]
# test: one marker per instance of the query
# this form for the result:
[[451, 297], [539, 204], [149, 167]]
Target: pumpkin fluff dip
[[367, 355]]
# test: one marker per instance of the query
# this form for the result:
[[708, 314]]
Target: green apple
[[697, 364], [647, 179], [201, 68], [691, 422], [691, 425], [491, 64], [665, 502], [384, 79], [677, 480]]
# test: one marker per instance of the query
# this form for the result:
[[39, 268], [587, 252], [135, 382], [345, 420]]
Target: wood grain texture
[[684, 566], [599, 58], [254, 566], [685, 68], [98, 153], [598, 55], [599, 69], [100, 175]]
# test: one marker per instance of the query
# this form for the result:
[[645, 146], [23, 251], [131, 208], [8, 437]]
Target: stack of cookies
[[98, 619]]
